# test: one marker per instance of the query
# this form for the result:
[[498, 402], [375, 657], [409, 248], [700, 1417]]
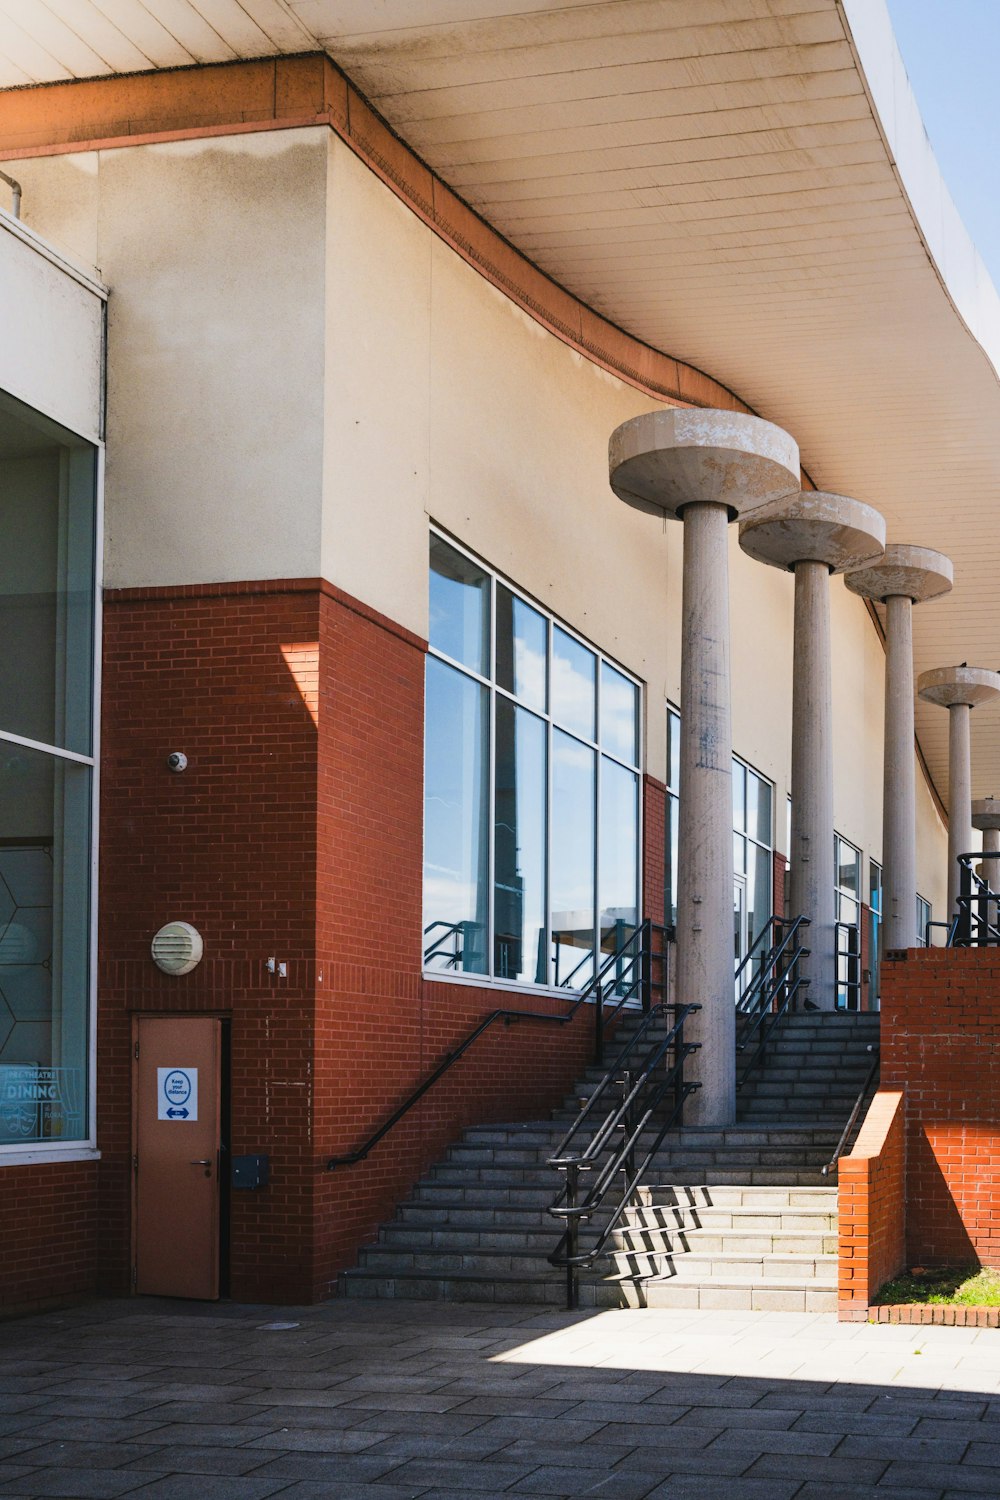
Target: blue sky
[[951, 49]]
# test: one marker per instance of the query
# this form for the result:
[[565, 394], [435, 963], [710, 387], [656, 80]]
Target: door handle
[[202, 1162]]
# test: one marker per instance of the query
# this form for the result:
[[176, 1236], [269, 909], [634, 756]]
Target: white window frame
[[490, 980]]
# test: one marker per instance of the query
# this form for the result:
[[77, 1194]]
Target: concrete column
[[904, 577], [705, 832], [899, 784], [815, 534], [959, 795], [811, 852], [704, 467], [958, 689], [986, 817]]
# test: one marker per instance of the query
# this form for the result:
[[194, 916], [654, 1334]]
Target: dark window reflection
[[519, 846]]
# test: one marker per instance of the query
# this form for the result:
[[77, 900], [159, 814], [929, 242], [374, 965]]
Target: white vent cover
[[177, 948]]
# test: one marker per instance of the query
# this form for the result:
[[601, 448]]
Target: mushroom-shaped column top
[[916, 573], [814, 526], [950, 686], [986, 814], [665, 460]]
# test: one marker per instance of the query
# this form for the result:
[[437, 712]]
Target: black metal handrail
[[750, 1000], [845, 1134], [641, 986], [773, 924], [976, 920], [772, 992], [642, 1094]]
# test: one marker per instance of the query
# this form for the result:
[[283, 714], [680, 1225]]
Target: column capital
[[914, 573], [952, 686], [678, 456], [814, 526]]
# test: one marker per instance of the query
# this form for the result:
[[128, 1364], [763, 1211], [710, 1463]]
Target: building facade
[[311, 562]]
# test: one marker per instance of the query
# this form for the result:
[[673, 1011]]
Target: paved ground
[[173, 1401]]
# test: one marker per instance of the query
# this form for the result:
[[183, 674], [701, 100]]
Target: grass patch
[[954, 1286]]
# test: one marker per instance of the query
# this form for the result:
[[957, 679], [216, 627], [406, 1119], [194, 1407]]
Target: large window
[[531, 790], [753, 842], [847, 897], [47, 619]]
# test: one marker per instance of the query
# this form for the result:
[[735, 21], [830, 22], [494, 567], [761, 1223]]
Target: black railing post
[[646, 966], [599, 1025], [679, 1074], [628, 1125], [572, 1238], [964, 933]]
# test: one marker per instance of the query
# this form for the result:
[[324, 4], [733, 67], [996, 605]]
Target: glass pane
[[875, 887], [739, 854], [459, 607], [619, 853], [758, 889], [670, 880], [572, 860], [456, 746], [46, 583], [847, 910], [44, 946], [673, 750], [847, 867], [574, 678], [758, 808], [619, 714], [522, 647], [519, 846], [739, 796]]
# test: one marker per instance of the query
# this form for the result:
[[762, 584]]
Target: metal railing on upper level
[[626, 975], [976, 922], [646, 1081]]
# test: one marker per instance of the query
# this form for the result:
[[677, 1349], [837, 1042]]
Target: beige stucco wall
[[303, 375], [214, 252]]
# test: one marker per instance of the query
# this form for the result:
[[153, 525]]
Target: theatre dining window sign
[[531, 794], [47, 618]]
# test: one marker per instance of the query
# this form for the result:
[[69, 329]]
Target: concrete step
[[792, 1295]]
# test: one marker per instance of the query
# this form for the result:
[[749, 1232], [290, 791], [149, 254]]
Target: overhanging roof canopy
[[744, 184]]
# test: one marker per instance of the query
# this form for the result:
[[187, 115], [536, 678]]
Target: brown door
[[177, 1118]]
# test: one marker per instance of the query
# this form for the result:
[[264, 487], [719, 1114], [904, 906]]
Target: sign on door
[[177, 1093]]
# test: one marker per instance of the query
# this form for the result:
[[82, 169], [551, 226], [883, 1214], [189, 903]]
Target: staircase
[[739, 1217]]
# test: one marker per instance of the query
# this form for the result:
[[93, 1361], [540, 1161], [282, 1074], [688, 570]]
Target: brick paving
[[395, 1401]]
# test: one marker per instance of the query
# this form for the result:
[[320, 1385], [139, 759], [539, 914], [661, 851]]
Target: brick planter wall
[[871, 1206], [941, 1043]]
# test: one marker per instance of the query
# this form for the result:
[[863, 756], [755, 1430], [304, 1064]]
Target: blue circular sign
[[177, 1086]]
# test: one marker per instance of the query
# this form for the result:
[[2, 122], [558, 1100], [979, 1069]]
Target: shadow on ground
[[394, 1401]]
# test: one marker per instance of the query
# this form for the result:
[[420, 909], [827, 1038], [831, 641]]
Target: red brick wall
[[229, 845], [871, 1205], [654, 822], [49, 1233], [941, 1042], [295, 832]]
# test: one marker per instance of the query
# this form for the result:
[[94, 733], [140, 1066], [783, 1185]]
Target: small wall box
[[251, 1172]]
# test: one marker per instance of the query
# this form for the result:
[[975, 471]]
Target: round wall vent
[[177, 948]]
